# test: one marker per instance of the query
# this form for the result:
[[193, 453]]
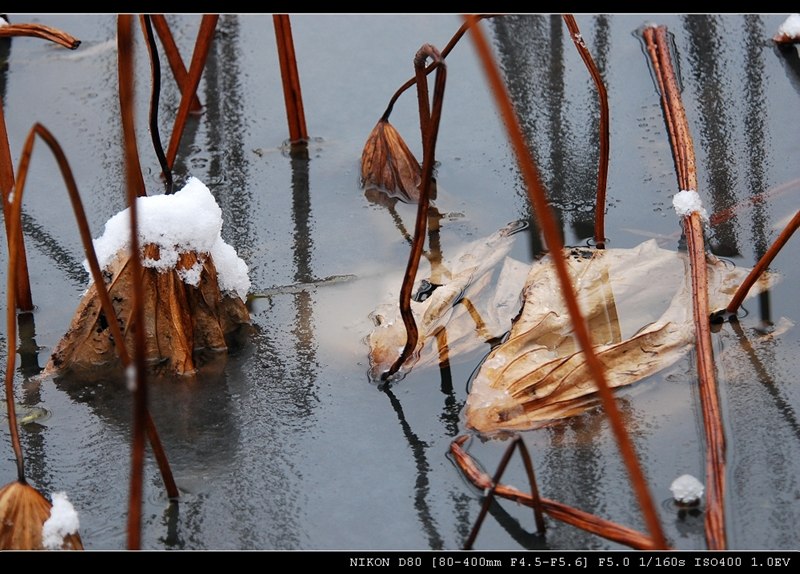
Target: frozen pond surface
[[291, 446]]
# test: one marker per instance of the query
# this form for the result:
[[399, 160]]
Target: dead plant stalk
[[538, 199], [657, 44]]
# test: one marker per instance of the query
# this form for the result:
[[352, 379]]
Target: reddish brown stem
[[763, 263], [489, 494], [125, 54], [447, 49], [657, 44], [24, 300], [538, 199], [429, 149], [40, 31], [174, 57], [537, 501], [204, 36], [602, 167], [293, 97], [567, 514]]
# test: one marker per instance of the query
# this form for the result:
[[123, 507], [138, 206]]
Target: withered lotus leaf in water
[[638, 304], [465, 308], [194, 288], [388, 164], [23, 512], [180, 319]]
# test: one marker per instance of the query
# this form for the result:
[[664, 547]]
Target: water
[[290, 446]]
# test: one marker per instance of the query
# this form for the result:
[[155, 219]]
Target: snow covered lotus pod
[[194, 284], [23, 515], [637, 303], [458, 316], [789, 31]]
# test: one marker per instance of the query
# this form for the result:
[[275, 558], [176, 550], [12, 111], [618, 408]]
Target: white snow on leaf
[[63, 521], [188, 220], [790, 27]]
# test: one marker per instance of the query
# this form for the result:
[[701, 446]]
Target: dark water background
[[291, 446]]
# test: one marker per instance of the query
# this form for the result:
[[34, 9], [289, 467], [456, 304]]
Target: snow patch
[[686, 489], [790, 27], [63, 521], [687, 202], [188, 220]]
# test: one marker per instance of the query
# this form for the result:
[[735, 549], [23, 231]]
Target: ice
[[63, 521], [188, 220], [687, 202], [790, 27], [686, 489]]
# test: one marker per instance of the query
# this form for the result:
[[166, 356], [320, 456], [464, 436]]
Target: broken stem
[[762, 264], [40, 31], [174, 57], [538, 199], [567, 514], [203, 43], [602, 167], [420, 227], [537, 501], [290, 78], [489, 494], [683, 152]]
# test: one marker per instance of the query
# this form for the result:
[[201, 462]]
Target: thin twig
[[762, 264], [602, 167], [489, 494], [428, 160], [567, 514], [204, 36], [537, 501], [174, 57], [538, 199], [155, 92], [290, 78], [657, 44]]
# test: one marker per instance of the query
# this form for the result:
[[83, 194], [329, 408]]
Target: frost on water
[[62, 522], [188, 220], [790, 27], [686, 489], [687, 202]]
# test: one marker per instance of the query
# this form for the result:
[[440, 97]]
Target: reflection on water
[[245, 441], [709, 72]]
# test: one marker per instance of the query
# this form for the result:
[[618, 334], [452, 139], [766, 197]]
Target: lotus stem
[[40, 31], [657, 45], [489, 494], [762, 264], [602, 94], [155, 68], [567, 514], [174, 58], [429, 120], [538, 199], [290, 78], [203, 43]]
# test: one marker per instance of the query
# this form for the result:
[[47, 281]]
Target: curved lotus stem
[[40, 31]]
